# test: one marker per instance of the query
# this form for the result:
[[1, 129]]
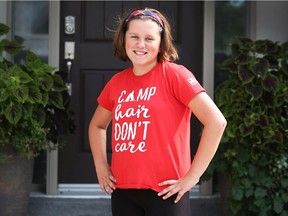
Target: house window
[[231, 18], [30, 22], [30, 26]]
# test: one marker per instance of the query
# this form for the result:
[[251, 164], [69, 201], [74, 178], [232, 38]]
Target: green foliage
[[253, 151], [31, 98]]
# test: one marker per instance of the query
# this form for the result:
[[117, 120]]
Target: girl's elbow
[[222, 123]]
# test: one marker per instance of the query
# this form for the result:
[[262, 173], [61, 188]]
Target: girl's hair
[[167, 50]]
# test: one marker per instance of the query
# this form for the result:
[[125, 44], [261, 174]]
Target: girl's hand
[[106, 178], [180, 186]]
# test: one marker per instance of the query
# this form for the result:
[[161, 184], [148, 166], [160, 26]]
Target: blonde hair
[[167, 51]]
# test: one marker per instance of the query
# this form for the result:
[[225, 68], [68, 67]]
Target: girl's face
[[142, 44]]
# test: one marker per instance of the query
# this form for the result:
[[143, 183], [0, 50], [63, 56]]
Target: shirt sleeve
[[185, 86]]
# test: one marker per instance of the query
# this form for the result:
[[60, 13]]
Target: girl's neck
[[141, 70]]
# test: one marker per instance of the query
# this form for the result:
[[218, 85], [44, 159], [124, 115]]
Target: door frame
[[52, 186]]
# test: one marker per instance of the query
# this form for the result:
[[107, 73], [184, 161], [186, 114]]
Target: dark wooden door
[[94, 64]]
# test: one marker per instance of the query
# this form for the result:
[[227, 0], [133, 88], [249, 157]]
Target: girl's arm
[[97, 138], [214, 124]]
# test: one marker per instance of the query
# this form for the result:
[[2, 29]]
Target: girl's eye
[[149, 39]]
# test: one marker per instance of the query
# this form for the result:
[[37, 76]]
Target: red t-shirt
[[150, 125]]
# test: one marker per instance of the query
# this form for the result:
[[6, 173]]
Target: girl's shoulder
[[171, 66], [172, 69], [120, 75]]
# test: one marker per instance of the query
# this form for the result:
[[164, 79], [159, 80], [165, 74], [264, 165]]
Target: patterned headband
[[146, 13]]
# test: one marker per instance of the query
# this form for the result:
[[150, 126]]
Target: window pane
[[230, 21], [30, 28]]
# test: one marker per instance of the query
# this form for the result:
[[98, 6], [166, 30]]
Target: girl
[[150, 105]]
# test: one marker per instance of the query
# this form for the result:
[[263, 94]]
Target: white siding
[[3, 12], [271, 20]]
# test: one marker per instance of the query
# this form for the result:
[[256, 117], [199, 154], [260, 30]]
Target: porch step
[[101, 207], [72, 206]]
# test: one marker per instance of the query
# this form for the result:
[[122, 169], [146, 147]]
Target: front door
[[94, 64]]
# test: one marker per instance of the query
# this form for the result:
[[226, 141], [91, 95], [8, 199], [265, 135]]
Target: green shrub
[[253, 151]]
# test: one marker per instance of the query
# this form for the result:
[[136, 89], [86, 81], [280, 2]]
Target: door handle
[[69, 84], [69, 55]]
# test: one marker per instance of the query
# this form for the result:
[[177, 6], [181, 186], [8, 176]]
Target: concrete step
[[82, 201]]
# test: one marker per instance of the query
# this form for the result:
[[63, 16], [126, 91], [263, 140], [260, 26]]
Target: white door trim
[[53, 59], [206, 187], [208, 47]]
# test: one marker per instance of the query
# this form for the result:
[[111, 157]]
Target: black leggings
[[146, 202]]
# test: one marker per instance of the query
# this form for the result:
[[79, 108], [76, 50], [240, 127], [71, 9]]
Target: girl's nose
[[141, 43]]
